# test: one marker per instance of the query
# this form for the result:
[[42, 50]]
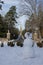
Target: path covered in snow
[[13, 56]]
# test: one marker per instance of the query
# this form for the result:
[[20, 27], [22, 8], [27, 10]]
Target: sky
[[7, 4]]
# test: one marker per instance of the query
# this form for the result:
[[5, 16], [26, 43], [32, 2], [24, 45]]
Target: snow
[[13, 56]]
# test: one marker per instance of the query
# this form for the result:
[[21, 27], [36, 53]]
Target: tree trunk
[[41, 30]]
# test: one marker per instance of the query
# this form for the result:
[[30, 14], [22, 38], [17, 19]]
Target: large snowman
[[28, 49]]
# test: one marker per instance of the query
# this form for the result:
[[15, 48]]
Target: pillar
[[8, 35]]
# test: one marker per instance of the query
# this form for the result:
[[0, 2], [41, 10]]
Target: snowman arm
[[33, 43], [24, 37]]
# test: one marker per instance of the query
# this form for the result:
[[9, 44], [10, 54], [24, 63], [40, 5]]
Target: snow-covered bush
[[8, 43], [2, 45], [39, 44], [20, 44], [42, 43], [11, 44]]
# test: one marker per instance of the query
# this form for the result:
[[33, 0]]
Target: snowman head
[[27, 34], [30, 35]]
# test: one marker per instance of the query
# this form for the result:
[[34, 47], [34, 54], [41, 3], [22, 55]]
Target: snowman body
[[28, 50]]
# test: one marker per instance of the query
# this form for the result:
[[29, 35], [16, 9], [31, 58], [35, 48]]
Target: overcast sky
[[7, 4]]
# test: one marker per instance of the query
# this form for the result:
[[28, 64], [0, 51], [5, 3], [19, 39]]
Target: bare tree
[[27, 7], [36, 17]]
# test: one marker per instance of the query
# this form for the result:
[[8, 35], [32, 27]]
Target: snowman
[[28, 49]]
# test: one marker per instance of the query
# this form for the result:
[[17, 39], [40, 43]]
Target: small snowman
[[28, 49]]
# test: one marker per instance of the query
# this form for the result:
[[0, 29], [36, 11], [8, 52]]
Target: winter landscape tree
[[35, 16], [3, 27], [10, 18]]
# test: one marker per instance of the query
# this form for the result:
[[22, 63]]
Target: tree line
[[8, 22]]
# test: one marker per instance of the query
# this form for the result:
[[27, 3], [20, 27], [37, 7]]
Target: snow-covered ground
[[13, 56]]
